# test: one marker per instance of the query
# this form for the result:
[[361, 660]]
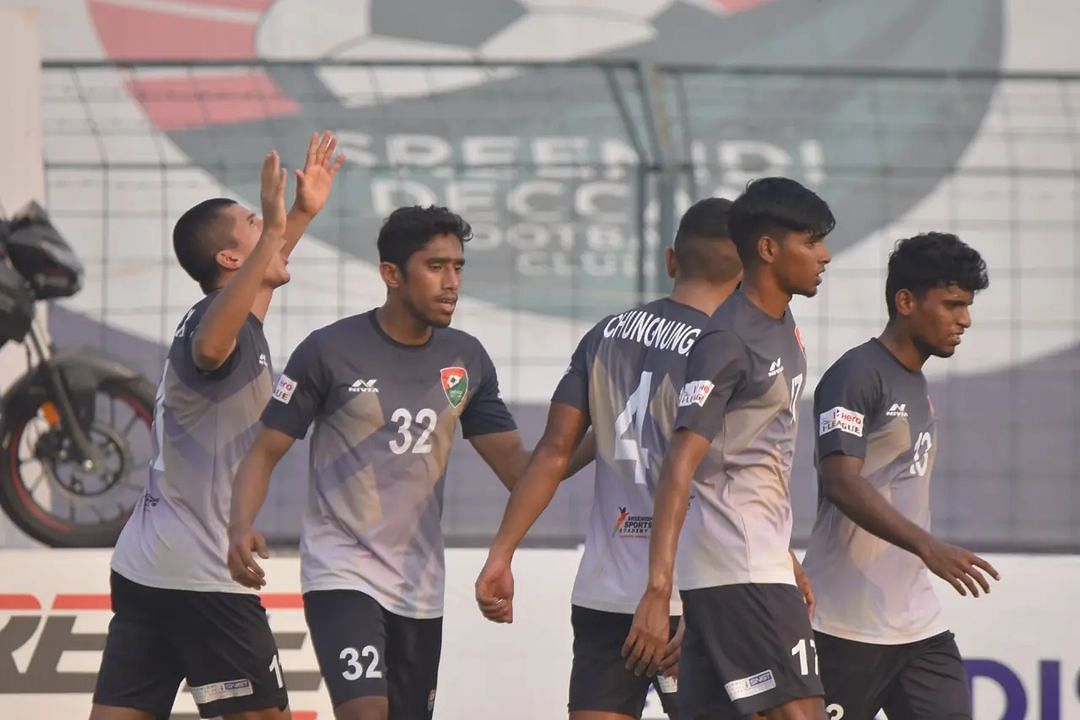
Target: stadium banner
[[1021, 643]]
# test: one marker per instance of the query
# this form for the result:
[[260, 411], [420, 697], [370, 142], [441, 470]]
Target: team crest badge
[[798, 337], [455, 383]]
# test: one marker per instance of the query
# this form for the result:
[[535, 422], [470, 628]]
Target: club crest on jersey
[[455, 383], [798, 337]]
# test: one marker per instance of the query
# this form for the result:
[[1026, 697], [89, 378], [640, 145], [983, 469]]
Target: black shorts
[[747, 648], [922, 680], [364, 650], [220, 642], [599, 680]]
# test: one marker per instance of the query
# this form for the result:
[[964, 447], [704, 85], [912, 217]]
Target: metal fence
[[573, 176]]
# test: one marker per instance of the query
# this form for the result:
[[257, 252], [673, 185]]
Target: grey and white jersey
[[868, 405], [625, 376], [204, 424], [385, 415], [743, 383]]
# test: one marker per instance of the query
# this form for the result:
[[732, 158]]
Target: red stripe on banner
[[282, 601], [19, 602], [82, 602], [257, 5], [129, 33], [223, 98], [735, 6]]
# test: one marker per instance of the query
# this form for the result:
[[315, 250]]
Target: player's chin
[[944, 351], [440, 317]]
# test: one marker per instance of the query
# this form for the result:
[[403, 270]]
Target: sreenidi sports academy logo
[[561, 218], [632, 526]]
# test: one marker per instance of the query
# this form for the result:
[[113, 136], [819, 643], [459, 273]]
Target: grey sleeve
[[845, 401], [300, 391], [486, 412], [573, 388], [717, 368]]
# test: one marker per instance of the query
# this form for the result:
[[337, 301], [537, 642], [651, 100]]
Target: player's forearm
[[859, 501], [583, 455], [249, 490], [669, 514], [216, 336], [530, 496], [296, 224]]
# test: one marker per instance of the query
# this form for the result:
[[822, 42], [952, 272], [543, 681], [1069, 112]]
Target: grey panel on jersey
[[204, 424], [625, 376], [869, 405], [385, 416], [743, 380]]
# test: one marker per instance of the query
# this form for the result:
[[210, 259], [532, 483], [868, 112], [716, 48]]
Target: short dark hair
[[776, 206], [702, 226], [408, 229], [196, 245], [932, 260]]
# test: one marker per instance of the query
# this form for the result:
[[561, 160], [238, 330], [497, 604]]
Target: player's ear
[[672, 263], [768, 248], [904, 302], [229, 259], [391, 275]]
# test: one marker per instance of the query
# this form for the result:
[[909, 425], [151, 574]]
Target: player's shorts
[[364, 650], [922, 680], [220, 642], [599, 680], [747, 648]]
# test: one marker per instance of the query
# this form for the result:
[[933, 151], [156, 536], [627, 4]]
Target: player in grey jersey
[[746, 619], [881, 640], [177, 613], [622, 381], [386, 391]]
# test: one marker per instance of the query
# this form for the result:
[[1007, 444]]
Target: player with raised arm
[[386, 391], [622, 380], [748, 634], [177, 613], [881, 640]]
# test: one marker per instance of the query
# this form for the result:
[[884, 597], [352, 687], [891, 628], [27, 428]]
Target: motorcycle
[[75, 429]]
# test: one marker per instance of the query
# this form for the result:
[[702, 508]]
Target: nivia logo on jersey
[[364, 386], [652, 331], [632, 526], [897, 410]]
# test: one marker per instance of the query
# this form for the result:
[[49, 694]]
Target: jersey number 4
[[629, 426]]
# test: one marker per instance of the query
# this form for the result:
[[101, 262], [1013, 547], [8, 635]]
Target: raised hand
[[272, 195], [313, 183]]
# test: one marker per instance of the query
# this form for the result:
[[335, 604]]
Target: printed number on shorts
[[835, 712], [404, 442], [275, 667], [806, 651], [354, 670]]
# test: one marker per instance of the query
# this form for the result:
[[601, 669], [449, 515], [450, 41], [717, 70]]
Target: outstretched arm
[[313, 185], [215, 338], [531, 494], [844, 486]]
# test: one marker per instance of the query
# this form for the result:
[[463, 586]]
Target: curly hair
[[933, 260], [408, 229]]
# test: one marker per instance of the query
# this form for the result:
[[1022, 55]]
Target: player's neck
[[400, 325], [761, 289], [701, 294], [903, 347], [262, 303]]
